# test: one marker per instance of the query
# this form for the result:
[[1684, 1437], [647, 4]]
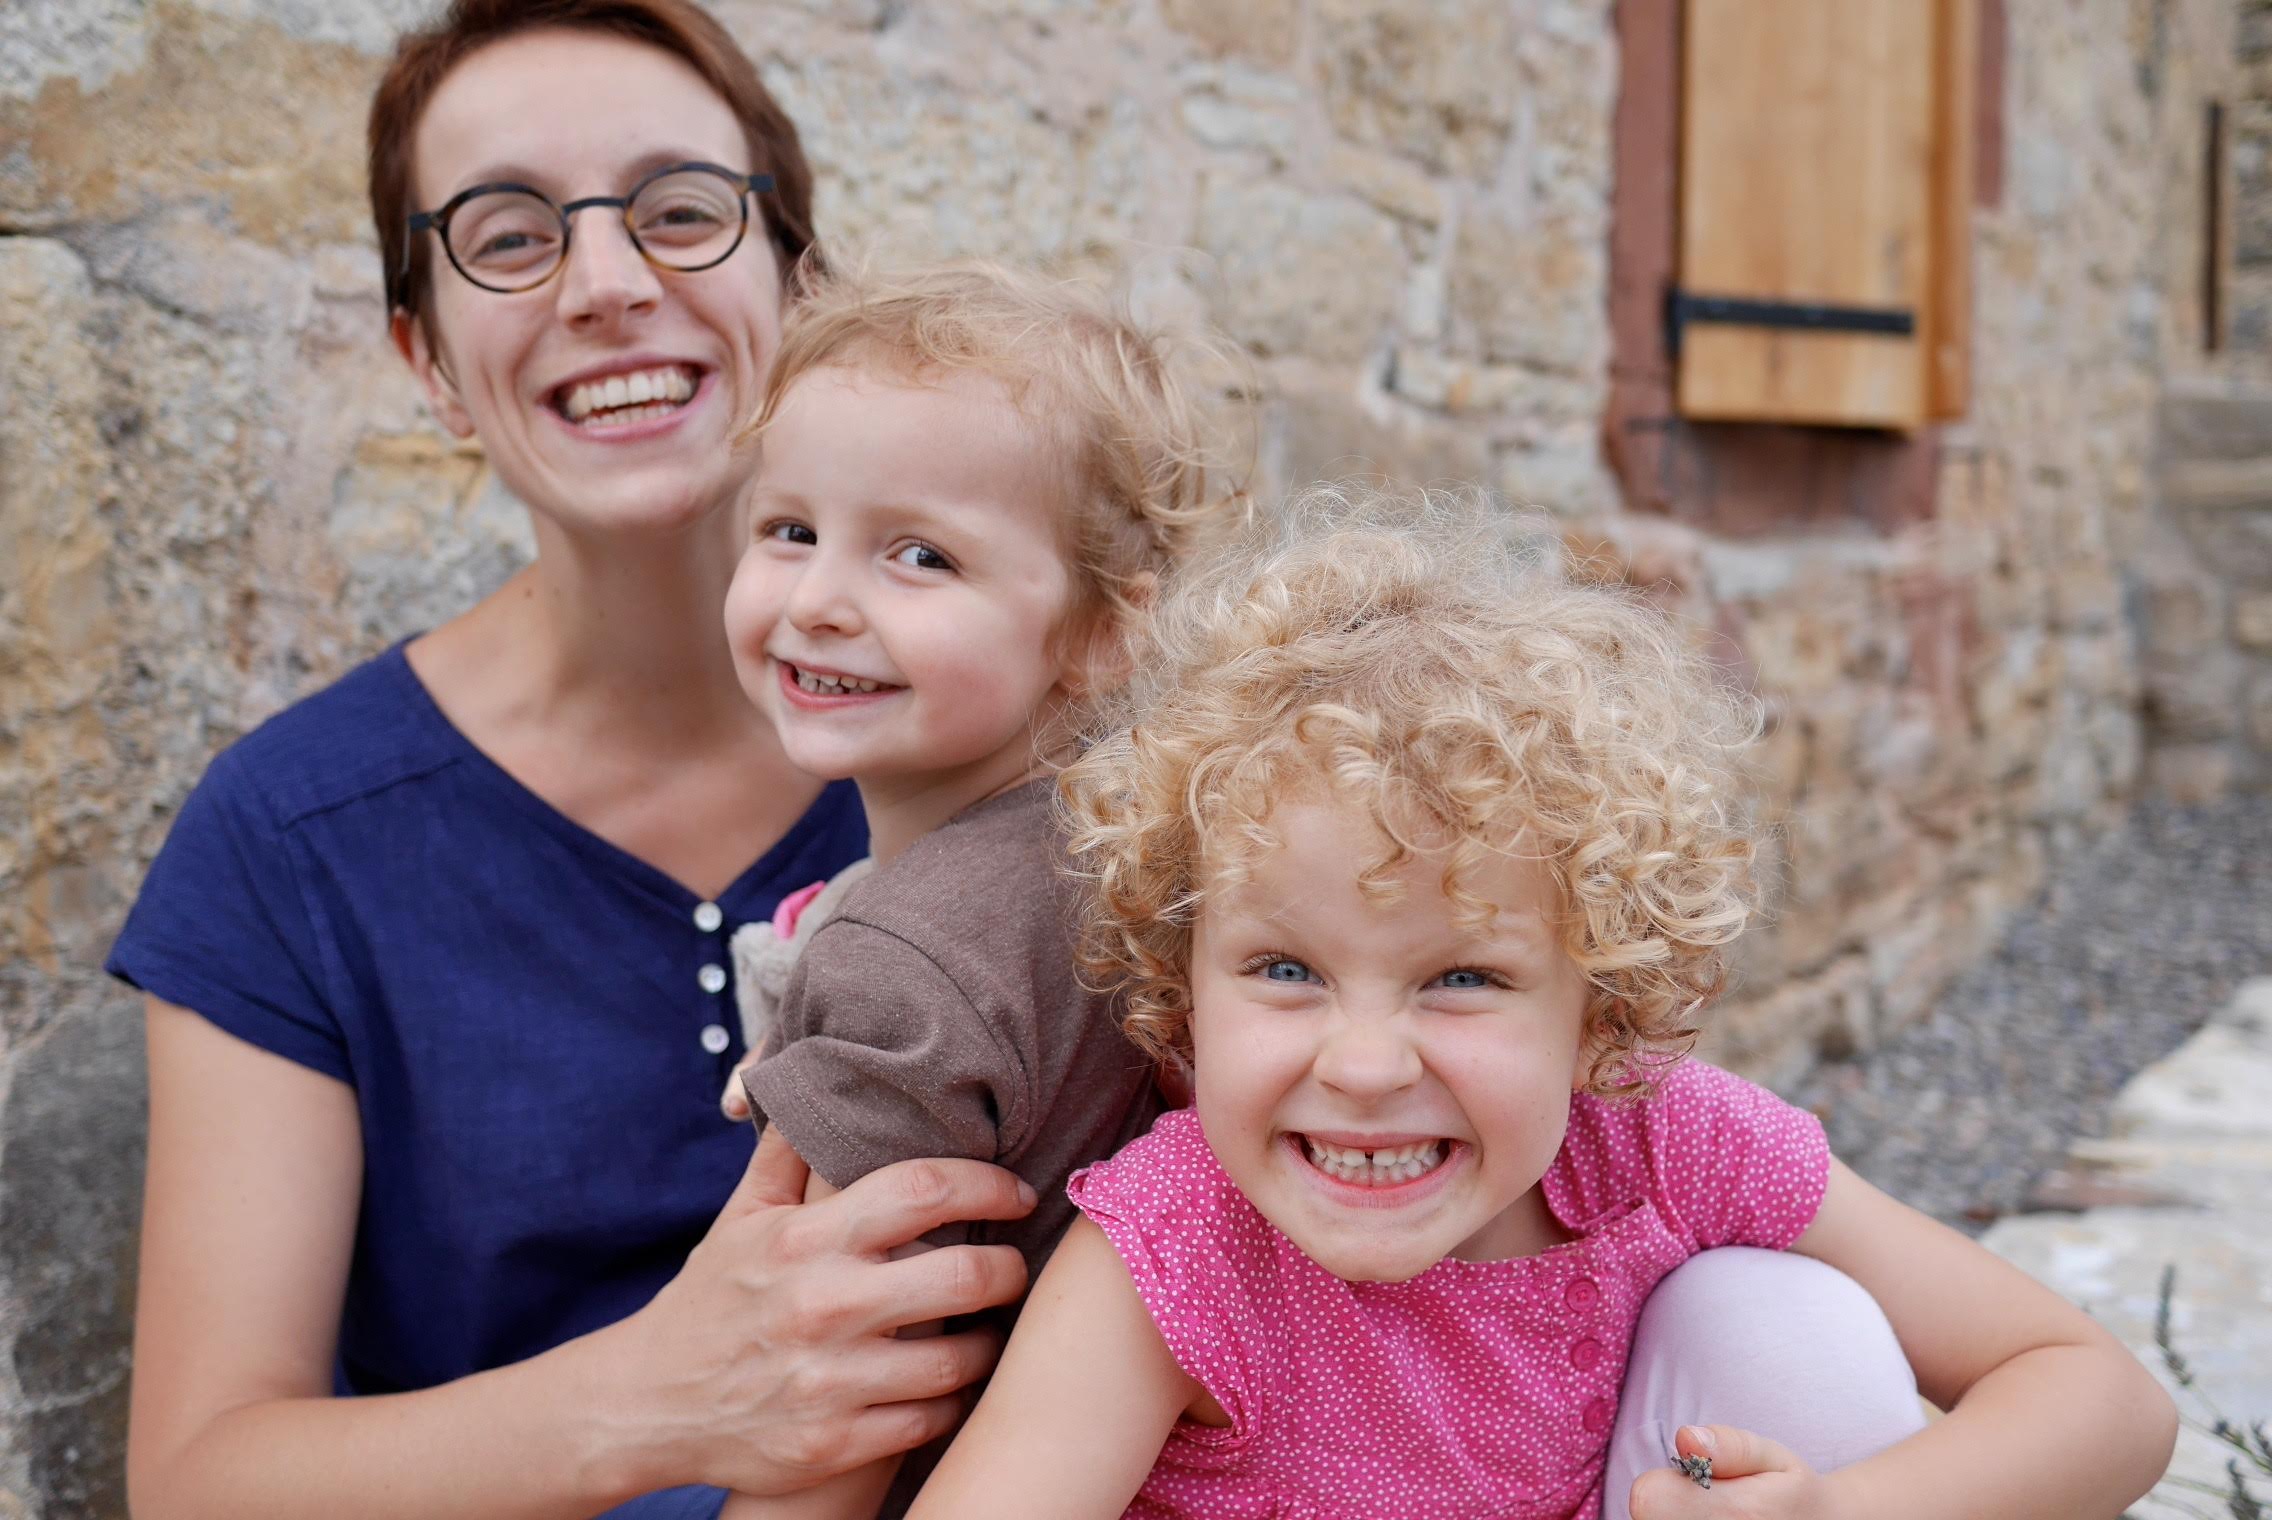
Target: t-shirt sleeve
[[884, 1058], [1734, 1164], [1194, 1254], [221, 926]]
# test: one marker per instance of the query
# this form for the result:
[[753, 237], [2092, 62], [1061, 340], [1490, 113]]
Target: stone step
[[2195, 1126]]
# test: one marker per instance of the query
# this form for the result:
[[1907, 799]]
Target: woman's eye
[[1283, 970], [922, 557], [1463, 981], [790, 533]]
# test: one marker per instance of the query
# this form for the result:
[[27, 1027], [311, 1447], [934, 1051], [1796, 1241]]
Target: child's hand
[[734, 1101], [1752, 1478]]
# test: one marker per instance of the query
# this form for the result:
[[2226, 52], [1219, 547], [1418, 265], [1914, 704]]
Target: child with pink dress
[[1424, 862]]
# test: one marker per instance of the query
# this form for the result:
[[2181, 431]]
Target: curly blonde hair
[[1137, 454], [1420, 657]]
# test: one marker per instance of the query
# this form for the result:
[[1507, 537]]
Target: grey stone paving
[[2137, 941], [2197, 1127]]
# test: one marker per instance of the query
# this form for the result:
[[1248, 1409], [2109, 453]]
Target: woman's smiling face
[[576, 114]]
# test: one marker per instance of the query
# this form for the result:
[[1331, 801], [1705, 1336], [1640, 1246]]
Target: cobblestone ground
[[2138, 940]]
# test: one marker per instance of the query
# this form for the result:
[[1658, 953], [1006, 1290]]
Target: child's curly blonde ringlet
[[1420, 657], [1139, 454]]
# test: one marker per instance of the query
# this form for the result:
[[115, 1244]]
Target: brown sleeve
[[885, 1058]]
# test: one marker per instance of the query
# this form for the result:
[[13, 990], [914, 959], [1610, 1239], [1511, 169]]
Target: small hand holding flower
[[1751, 1478]]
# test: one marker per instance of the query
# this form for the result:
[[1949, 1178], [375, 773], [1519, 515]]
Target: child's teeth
[[835, 686], [1378, 1168]]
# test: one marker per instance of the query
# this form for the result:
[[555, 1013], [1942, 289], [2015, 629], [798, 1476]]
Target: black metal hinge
[[1682, 308]]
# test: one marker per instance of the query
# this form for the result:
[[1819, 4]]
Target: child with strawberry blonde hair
[[969, 477], [1424, 860]]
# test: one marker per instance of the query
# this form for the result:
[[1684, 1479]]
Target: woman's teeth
[[1381, 1168], [835, 686], [635, 397]]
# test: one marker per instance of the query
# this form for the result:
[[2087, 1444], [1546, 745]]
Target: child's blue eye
[[922, 557], [1464, 981], [1283, 970], [791, 533]]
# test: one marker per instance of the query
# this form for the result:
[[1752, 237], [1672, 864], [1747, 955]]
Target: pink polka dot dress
[[1476, 1388]]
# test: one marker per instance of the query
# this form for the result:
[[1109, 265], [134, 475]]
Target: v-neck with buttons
[[536, 1023]]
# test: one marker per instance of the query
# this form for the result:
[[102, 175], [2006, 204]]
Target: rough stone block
[[1533, 289], [2260, 712], [2191, 772], [2194, 699], [1388, 182], [2252, 621], [1427, 81], [1264, 30], [71, 1137], [1320, 432], [1302, 274]]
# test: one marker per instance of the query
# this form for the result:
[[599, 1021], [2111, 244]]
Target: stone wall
[[2205, 568], [217, 489]]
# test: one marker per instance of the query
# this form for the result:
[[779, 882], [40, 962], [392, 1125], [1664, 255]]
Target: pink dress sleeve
[[1182, 1228], [1727, 1162]]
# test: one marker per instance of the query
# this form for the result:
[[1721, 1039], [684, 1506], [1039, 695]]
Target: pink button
[[1596, 1419], [1586, 1355], [1582, 1294]]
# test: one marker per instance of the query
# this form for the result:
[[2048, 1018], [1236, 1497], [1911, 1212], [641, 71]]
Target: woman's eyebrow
[[513, 172]]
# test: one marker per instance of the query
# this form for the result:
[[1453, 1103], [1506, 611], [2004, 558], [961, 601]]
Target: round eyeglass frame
[[438, 221]]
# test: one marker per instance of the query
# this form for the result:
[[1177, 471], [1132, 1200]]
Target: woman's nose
[[1367, 1056], [606, 277]]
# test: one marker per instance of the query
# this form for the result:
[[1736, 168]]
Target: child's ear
[[417, 350], [1591, 1041], [1100, 656]]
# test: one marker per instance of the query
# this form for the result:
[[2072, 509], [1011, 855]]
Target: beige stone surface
[[2196, 1128]]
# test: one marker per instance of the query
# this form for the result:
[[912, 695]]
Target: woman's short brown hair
[[422, 59]]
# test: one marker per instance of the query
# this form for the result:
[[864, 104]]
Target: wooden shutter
[[1825, 179]]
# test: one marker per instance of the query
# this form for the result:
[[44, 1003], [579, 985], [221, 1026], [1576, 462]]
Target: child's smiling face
[[1384, 1083], [898, 609]]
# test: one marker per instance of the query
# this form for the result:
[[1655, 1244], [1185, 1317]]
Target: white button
[[707, 917], [712, 978], [715, 1039]]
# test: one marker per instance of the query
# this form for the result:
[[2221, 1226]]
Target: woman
[[437, 1014]]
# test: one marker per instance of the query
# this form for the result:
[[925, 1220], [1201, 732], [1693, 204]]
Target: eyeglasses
[[510, 238]]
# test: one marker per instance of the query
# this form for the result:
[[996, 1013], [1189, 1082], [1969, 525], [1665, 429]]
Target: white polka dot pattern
[[1477, 1388]]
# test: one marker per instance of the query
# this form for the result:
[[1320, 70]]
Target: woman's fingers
[[889, 1429], [908, 1199], [860, 1299], [775, 1176], [935, 1367]]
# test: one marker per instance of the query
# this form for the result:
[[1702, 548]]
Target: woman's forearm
[[544, 1439], [1995, 1456]]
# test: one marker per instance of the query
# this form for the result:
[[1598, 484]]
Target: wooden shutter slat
[[1807, 151], [1947, 314]]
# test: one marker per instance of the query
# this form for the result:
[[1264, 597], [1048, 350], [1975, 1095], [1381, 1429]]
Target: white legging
[[1768, 1341]]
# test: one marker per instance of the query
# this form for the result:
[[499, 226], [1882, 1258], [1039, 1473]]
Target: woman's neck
[[619, 635]]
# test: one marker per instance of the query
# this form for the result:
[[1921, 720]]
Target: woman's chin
[[659, 503]]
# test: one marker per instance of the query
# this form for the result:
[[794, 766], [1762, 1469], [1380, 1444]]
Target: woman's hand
[[1752, 1478], [769, 1363]]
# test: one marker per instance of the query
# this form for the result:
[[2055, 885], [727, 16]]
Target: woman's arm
[[1080, 1407], [2049, 1417], [767, 1364]]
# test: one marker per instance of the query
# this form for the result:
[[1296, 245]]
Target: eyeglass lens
[[514, 239]]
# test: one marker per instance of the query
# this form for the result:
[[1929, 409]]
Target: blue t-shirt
[[536, 1024]]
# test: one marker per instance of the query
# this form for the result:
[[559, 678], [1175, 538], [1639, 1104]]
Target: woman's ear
[[411, 341]]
